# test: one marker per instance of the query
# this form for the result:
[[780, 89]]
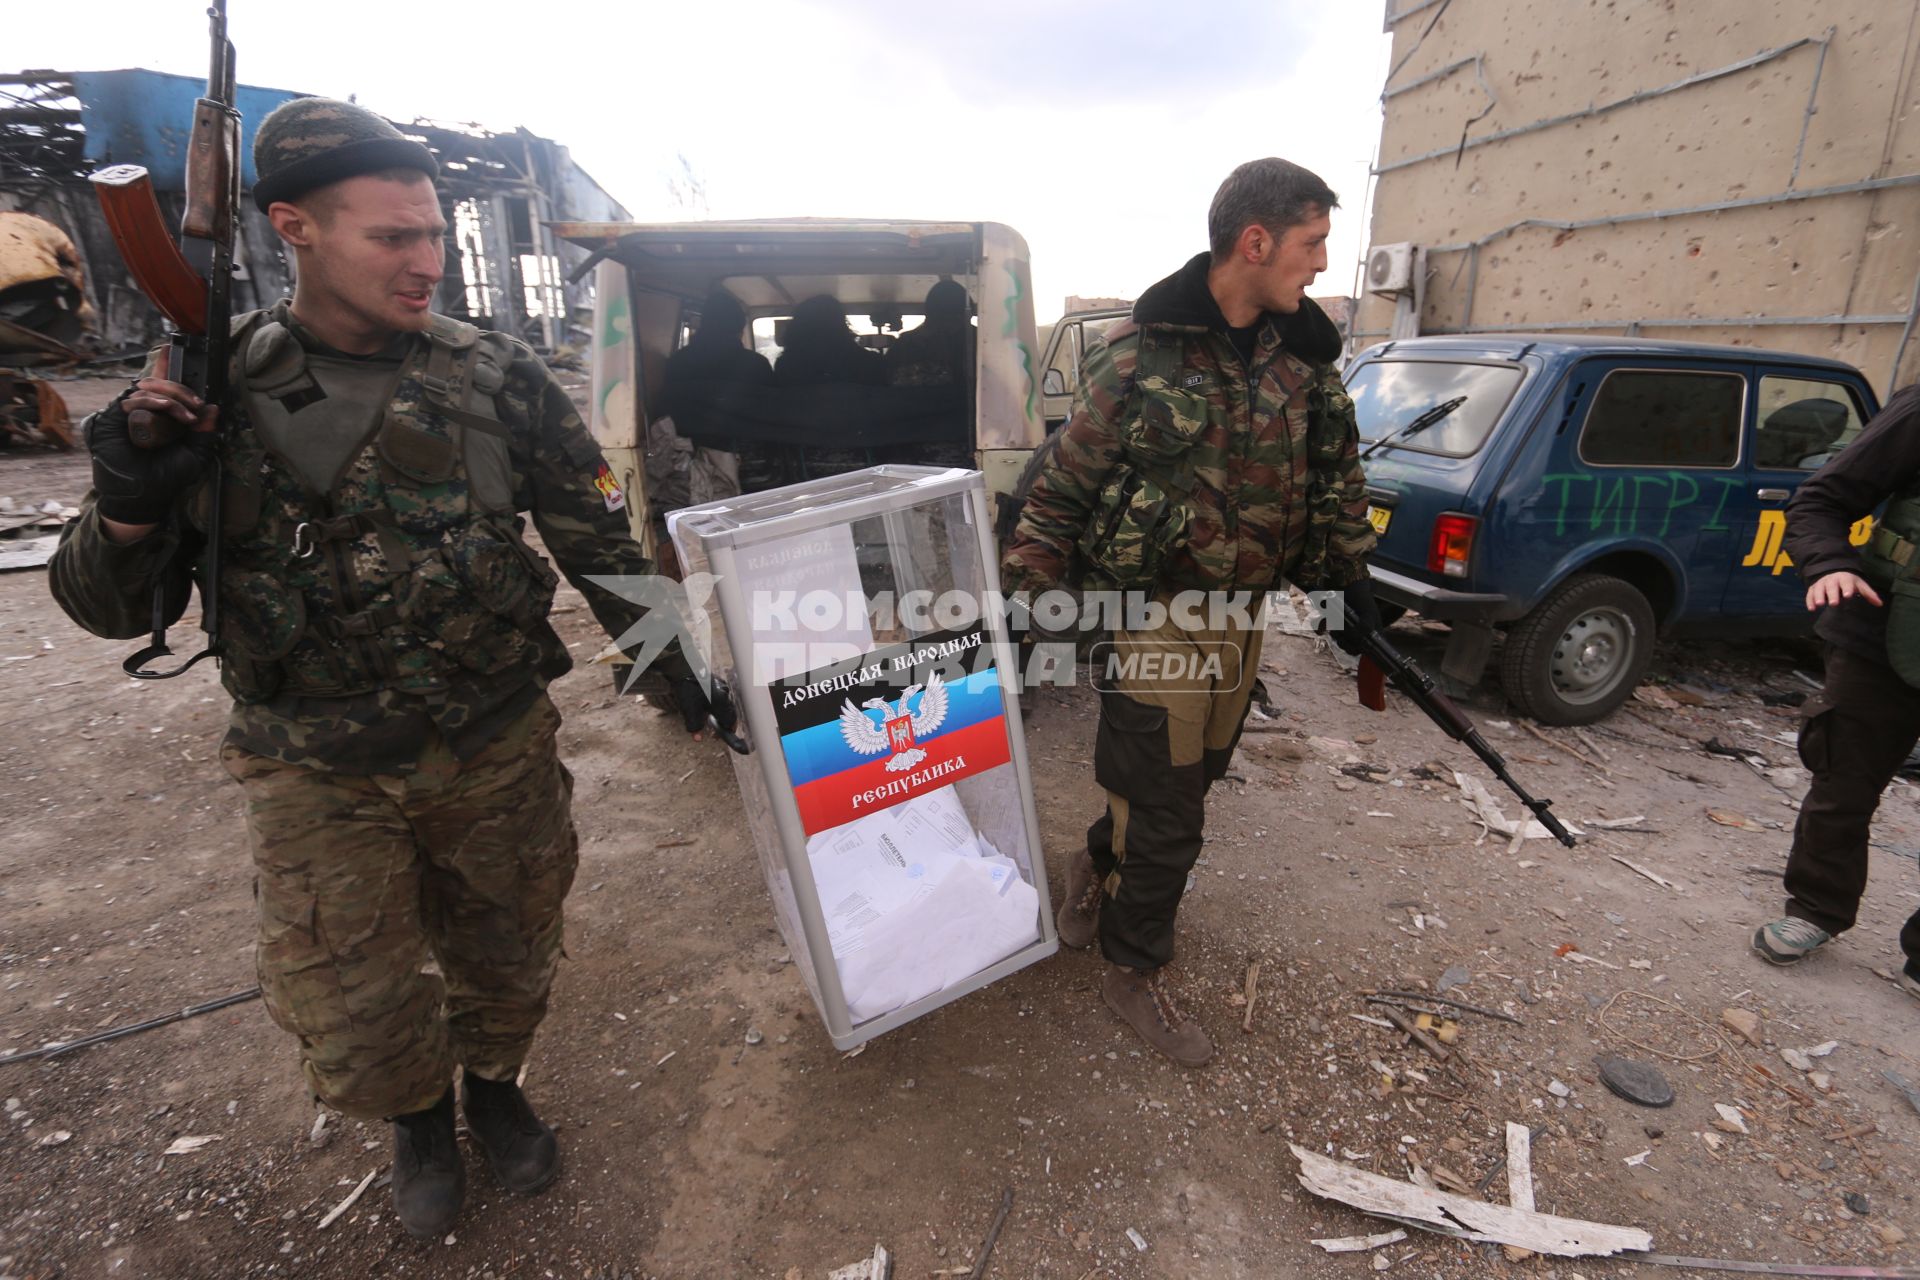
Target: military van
[[651, 279]]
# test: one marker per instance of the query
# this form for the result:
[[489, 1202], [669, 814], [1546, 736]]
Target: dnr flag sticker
[[898, 722], [609, 488]]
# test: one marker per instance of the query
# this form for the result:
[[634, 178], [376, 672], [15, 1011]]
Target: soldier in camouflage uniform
[[386, 643], [1211, 449]]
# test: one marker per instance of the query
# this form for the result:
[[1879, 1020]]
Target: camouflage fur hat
[[310, 142]]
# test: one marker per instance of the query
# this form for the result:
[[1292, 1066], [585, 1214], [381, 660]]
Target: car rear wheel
[[1581, 652]]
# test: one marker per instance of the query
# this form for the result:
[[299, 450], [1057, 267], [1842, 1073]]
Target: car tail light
[[1452, 545]]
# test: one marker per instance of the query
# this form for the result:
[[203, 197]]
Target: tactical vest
[[411, 570], [1145, 510], [1892, 560]]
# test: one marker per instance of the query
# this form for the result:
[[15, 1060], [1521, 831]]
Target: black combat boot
[[429, 1180], [521, 1150]]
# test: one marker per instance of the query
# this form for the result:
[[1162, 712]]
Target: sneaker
[[429, 1178], [1789, 940], [521, 1149], [1079, 916], [1143, 1003], [1910, 984]]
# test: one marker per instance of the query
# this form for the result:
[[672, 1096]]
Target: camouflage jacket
[[406, 596], [1182, 467]]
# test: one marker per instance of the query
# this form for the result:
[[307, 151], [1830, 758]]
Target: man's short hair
[[1272, 192]]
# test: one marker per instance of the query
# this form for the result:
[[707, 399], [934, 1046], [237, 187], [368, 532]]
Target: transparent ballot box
[[887, 791]]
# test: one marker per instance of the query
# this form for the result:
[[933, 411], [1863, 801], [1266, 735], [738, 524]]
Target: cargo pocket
[[1131, 749], [1903, 630], [261, 620], [1816, 733], [1330, 424], [1136, 529], [1168, 426], [477, 598], [504, 574], [299, 979]]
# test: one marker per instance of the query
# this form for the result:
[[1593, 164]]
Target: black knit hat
[[310, 142]]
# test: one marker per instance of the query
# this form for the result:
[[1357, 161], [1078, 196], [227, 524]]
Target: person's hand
[[698, 705], [138, 487], [1830, 589], [1360, 616]]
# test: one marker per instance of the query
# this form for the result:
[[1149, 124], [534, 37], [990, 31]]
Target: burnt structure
[[505, 269]]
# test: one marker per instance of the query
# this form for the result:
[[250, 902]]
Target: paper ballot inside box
[[916, 900]]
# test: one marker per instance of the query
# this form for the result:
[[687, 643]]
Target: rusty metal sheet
[[40, 267], [21, 345], [32, 412]]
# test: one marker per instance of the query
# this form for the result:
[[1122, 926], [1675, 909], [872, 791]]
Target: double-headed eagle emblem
[[899, 725]]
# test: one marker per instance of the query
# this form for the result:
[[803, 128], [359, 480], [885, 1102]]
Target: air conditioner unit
[[1390, 269]]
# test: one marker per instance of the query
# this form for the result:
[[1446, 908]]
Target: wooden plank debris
[[1658, 879], [1519, 1167], [1461, 1216], [1519, 1182], [1359, 1244], [333, 1215], [877, 1267]]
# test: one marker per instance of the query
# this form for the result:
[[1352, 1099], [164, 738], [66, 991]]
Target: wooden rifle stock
[[198, 304], [213, 160]]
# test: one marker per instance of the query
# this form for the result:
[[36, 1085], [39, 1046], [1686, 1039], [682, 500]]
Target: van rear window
[[1389, 396]]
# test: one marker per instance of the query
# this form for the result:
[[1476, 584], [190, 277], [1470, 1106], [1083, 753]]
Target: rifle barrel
[[1419, 688]]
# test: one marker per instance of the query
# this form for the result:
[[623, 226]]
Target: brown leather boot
[[1079, 914], [1143, 1002]]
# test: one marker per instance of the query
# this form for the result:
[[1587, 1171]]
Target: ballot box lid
[[814, 504]]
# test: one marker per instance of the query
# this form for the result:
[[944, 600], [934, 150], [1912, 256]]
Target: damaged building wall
[[1652, 167], [505, 270]]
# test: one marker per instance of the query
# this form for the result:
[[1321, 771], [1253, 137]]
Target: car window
[[1067, 357], [1066, 360], [1664, 418], [1803, 422], [1390, 394]]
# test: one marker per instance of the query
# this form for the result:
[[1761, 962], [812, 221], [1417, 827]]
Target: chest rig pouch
[[1143, 514], [410, 568], [1891, 558], [1331, 430]]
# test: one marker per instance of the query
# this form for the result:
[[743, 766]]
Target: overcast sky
[[1099, 131]]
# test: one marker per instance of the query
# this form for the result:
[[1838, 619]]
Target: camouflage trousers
[[1172, 702], [360, 881]]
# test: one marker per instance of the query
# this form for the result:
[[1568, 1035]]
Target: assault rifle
[[1380, 662], [191, 282]]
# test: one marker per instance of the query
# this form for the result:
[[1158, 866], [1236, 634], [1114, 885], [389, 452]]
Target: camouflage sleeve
[[1064, 492], [1353, 537], [578, 508], [107, 587]]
